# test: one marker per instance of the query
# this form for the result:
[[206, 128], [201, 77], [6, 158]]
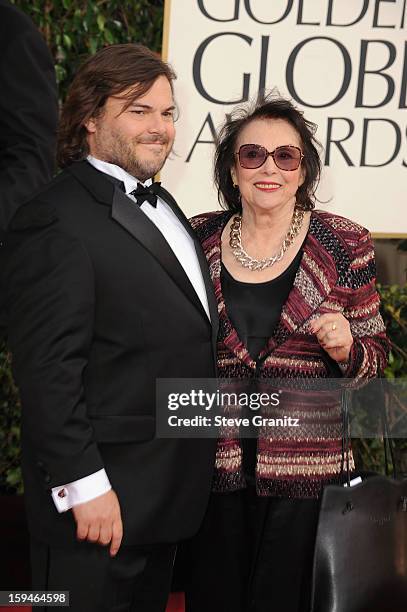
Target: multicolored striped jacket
[[336, 274]]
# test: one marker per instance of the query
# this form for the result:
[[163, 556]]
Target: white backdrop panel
[[344, 63]]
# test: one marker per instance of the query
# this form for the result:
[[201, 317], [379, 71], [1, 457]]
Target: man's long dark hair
[[109, 72]]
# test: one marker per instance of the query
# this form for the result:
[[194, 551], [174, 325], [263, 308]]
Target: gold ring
[[333, 326]]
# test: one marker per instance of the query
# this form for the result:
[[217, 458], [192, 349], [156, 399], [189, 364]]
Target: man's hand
[[99, 520]]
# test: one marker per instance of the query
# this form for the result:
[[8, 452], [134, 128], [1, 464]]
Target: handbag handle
[[345, 433], [387, 443]]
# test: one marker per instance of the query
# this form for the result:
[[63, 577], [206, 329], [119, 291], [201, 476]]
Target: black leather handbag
[[360, 559]]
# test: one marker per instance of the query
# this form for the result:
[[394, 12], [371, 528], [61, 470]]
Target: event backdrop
[[344, 63]]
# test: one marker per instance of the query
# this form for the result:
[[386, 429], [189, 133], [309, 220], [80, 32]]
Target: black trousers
[[137, 579], [252, 554]]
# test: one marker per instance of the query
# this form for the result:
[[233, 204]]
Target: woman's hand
[[334, 335]]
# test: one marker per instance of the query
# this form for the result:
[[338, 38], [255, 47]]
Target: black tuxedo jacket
[[98, 307], [28, 111]]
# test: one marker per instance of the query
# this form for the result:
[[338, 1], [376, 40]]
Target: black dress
[[254, 310], [253, 553]]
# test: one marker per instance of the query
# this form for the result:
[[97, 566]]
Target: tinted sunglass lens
[[251, 156], [287, 158]]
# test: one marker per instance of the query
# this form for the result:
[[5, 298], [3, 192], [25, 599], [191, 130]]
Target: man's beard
[[121, 152]]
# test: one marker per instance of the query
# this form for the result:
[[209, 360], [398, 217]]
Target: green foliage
[[403, 245], [369, 453], [74, 29], [10, 471], [394, 311]]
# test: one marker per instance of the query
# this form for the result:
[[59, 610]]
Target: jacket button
[[47, 478]]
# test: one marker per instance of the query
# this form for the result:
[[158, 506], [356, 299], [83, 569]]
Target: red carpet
[[175, 604]]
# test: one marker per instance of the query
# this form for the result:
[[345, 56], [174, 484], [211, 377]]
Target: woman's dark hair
[[109, 72], [268, 107]]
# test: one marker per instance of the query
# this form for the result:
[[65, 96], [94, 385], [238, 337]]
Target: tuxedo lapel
[[129, 216], [107, 190], [203, 264], [99, 184]]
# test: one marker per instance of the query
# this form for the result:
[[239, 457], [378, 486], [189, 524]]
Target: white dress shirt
[[182, 245]]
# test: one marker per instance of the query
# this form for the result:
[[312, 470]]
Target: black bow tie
[[148, 194]]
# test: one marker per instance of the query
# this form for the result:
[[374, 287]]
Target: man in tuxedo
[[106, 290], [28, 111]]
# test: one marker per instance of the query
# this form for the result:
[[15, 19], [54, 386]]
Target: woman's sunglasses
[[253, 156]]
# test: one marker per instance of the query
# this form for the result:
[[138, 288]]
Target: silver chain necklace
[[235, 243]]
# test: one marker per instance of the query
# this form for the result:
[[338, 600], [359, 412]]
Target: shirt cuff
[[80, 491]]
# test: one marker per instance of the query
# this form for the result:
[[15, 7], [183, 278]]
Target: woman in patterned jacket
[[297, 299]]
